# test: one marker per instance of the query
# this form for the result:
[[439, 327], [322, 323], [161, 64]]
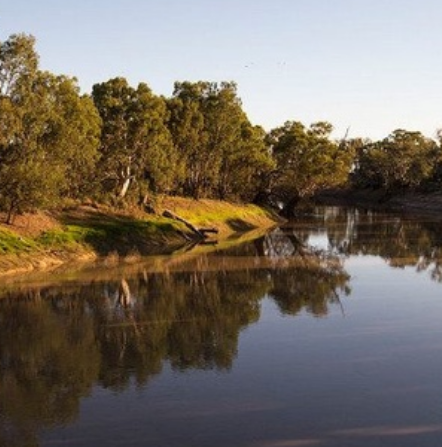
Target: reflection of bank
[[317, 281], [59, 341], [283, 242], [186, 312]]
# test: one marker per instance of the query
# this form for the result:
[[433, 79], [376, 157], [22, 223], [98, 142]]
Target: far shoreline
[[428, 204]]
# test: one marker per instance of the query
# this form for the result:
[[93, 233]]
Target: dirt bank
[[82, 233]]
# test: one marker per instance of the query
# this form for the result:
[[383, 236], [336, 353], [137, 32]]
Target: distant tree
[[306, 160], [435, 180], [135, 142], [402, 160]]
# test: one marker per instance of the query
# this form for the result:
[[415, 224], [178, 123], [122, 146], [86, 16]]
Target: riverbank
[[429, 204], [87, 232]]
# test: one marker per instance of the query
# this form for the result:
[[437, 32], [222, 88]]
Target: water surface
[[327, 332]]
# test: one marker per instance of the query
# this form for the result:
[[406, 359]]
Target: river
[[325, 332]]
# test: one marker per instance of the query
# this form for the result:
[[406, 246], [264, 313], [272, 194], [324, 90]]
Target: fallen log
[[208, 230], [200, 233]]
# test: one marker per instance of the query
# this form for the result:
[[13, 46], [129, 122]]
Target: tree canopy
[[50, 133], [307, 160], [135, 143], [126, 142], [222, 154], [402, 160]]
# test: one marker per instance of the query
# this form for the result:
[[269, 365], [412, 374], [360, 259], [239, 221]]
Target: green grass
[[11, 243], [68, 237], [102, 237], [107, 233], [236, 217]]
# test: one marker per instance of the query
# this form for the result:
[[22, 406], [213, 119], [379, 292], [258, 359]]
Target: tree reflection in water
[[187, 311], [401, 241], [59, 341]]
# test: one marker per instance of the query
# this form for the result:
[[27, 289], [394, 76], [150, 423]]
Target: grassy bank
[[85, 232]]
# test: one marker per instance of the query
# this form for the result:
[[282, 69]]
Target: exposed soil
[[125, 245], [31, 224], [34, 224]]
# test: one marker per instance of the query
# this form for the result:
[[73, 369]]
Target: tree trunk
[[125, 187], [11, 214], [126, 175], [191, 227], [288, 211]]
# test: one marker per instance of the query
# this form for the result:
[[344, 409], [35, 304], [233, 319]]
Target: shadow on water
[[118, 326]]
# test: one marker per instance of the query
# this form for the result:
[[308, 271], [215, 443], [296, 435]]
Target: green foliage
[[50, 133], [402, 160], [221, 154], [135, 142], [307, 159], [76, 128], [123, 144]]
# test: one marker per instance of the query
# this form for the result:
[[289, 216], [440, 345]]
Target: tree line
[[124, 143]]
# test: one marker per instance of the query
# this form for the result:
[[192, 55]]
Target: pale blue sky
[[371, 65]]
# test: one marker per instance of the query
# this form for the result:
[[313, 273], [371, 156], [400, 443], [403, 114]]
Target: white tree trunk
[[125, 187], [127, 178]]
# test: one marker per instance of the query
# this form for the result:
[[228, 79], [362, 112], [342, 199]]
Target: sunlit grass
[[224, 215], [103, 232], [11, 243], [109, 231], [68, 236]]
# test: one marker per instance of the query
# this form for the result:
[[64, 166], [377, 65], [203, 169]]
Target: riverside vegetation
[[85, 232], [123, 149]]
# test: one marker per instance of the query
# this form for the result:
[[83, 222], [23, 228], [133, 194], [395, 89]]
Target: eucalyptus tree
[[239, 150], [435, 181], [249, 167], [191, 137], [306, 161], [221, 153], [404, 159], [48, 135], [135, 142], [75, 136], [18, 70]]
